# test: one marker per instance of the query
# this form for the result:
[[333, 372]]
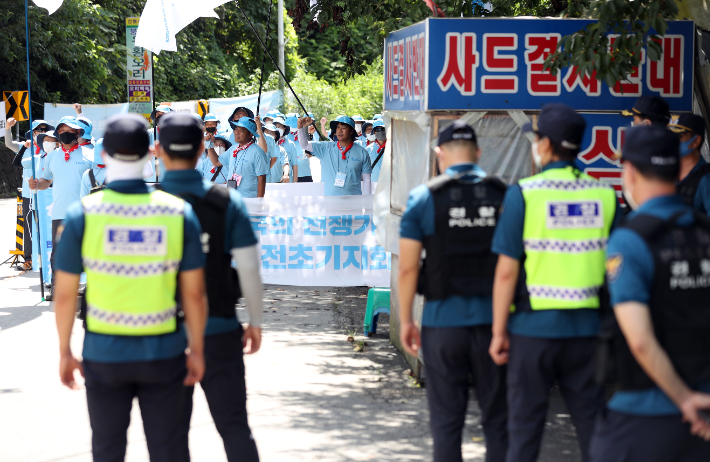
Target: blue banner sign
[[497, 64]]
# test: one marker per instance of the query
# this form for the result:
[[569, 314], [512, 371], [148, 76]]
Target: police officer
[[228, 235], [657, 269], [694, 185], [550, 240], [649, 110], [343, 163], [64, 168], [135, 246], [453, 217]]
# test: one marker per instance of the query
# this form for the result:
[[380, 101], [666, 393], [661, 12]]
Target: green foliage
[[638, 24], [361, 94]]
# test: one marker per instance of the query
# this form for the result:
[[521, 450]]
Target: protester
[[225, 221], [292, 151], [245, 160], [279, 165], [234, 119], [376, 150], [154, 134], [344, 164], [94, 178], [359, 121], [135, 246], [217, 175], [271, 116], [457, 280], [657, 274], [211, 129], [63, 171], [364, 140], [304, 161], [550, 243], [694, 185]]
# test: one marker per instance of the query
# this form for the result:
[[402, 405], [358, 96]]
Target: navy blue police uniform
[[640, 423], [694, 188], [457, 281]]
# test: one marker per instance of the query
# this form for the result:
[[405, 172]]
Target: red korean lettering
[[460, 63], [632, 85], [541, 82], [390, 72], [589, 84], [666, 75], [493, 61], [402, 58], [408, 67], [601, 147]]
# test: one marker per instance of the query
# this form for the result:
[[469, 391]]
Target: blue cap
[[86, 125], [292, 119], [378, 117], [654, 148], [654, 108], [274, 113], [39, 122], [227, 143], [209, 117], [378, 123], [249, 112], [70, 122], [561, 124], [342, 120], [358, 118], [162, 108], [365, 125], [42, 136], [280, 120], [98, 147], [249, 124]]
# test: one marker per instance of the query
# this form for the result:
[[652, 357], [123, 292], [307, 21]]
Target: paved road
[[311, 397]]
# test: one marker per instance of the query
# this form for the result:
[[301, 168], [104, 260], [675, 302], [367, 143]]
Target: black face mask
[[211, 129], [67, 137]]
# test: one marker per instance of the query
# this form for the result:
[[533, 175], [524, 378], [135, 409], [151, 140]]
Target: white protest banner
[[224, 107], [96, 113], [319, 241], [184, 107], [274, 190]]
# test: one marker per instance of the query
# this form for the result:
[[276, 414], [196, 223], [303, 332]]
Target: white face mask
[[219, 150], [537, 158], [49, 146], [371, 137], [281, 131], [628, 195]]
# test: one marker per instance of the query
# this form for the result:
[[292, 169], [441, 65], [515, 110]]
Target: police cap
[[180, 134], [561, 124], [654, 149], [457, 131], [126, 137], [653, 108], [683, 123]]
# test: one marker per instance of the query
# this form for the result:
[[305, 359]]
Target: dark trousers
[[451, 354], [57, 228], [163, 401], [632, 438], [535, 365], [27, 231], [305, 179], [226, 392]]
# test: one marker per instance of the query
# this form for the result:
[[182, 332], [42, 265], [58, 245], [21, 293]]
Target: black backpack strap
[[495, 182], [92, 178], [216, 173], [688, 187], [646, 226], [218, 196]]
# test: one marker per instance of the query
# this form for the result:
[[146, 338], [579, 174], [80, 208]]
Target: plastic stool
[[378, 301]]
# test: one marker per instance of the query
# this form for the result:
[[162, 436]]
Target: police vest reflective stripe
[[568, 217], [131, 251]]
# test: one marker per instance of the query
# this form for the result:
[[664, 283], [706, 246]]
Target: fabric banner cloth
[[224, 107], [96, 113], [319, 241]]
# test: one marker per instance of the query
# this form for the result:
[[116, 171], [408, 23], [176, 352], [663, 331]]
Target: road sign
[[17, 105], [203, 107]]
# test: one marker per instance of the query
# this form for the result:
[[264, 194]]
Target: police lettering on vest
[[458, 255], [679, 302]]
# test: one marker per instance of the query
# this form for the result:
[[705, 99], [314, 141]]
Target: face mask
[[685, 148], [628, 195], [219, 150], [49, 146], [371, 137], [380, 135], [211, 129], [281, 131], [67, 137], [358, 128], [536, 156]]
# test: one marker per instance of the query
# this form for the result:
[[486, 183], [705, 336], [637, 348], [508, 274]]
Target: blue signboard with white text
[[497, 64]]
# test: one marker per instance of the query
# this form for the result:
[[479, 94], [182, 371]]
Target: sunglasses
[[41, 129]]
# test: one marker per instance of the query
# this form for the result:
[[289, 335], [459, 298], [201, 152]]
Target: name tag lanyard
[[340, 176]]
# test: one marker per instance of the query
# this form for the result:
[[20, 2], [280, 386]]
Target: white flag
[[161, 20], [50, 5]]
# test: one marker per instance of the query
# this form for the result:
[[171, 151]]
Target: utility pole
[[280, 11]]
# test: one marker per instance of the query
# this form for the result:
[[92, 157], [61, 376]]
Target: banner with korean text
[[319, 241], [139, 72], [497, 64]]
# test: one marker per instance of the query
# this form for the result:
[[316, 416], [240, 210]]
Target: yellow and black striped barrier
[[19, 234]]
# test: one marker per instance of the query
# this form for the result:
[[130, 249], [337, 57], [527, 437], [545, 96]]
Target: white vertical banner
[[319, 241]]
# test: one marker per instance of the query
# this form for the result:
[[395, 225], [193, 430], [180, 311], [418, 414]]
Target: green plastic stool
[[378, 301]]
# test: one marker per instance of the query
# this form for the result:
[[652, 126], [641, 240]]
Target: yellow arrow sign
[[17, 104]]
